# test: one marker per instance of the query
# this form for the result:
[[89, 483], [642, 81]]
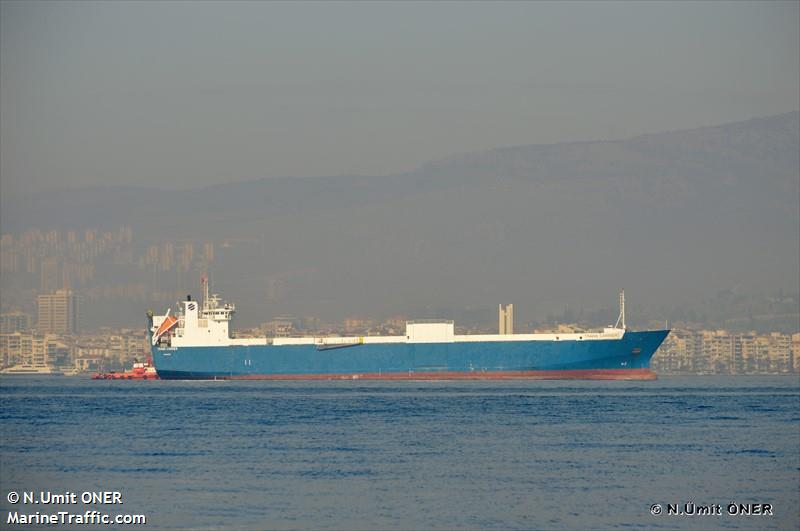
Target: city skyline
[[45, 261]]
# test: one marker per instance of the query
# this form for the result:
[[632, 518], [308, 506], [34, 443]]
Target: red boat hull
[[124, 376]]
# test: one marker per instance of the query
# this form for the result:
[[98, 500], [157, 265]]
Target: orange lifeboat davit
[[169, 322]]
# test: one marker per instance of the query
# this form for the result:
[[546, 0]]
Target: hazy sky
[[185, 94]]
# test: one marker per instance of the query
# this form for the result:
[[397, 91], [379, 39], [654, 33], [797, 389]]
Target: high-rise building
[[126, 234], [50, 277], [9, 261], [59, 312], [152, 255], [506, 319], [208, 251], [167, 257], [186, 257], [10, 348], [780, 352], [14, 322]]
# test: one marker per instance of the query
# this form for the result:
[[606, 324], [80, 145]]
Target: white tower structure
[[506, 319]]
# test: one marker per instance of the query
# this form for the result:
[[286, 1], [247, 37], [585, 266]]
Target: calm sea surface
[[413, 455]]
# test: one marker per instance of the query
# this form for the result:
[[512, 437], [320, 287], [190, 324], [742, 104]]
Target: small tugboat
[[141, 371]]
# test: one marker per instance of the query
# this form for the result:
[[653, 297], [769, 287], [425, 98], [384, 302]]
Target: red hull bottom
[[123, 376], [588, 374]]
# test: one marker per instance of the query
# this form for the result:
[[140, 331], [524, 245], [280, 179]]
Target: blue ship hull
[[624, 358]]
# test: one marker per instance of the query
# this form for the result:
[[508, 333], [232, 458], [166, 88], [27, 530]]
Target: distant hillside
[[672, 217]]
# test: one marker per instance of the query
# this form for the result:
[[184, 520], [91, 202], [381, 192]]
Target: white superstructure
[[197, 325]]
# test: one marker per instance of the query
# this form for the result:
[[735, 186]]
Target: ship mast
[[621, 317]]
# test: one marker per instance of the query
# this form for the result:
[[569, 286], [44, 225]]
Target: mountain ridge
[[669, 216], [788, 118]]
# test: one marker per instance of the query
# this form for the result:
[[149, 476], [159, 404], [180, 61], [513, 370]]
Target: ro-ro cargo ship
[[196, 343]]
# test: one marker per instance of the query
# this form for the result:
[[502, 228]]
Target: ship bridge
[[195, 324]]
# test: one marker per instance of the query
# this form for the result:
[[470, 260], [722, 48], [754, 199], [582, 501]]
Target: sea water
[[408, 455]]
